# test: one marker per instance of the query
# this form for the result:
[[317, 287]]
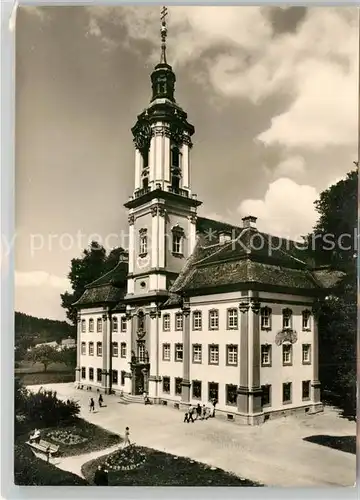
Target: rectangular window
[[197, 320], [306, 320], [231, 394], [99, 375], [214, 319], [265, 318], [143, 242], [166, 352], [166, 322], [176, 244], [178, 386], [91, 325], [83, 372], [287, 392], [83, 348], [123, 349], [232, 319], [232, 355], [99, 349], [122, 375], [99, 325], [83, 325], [306, 389], [196, 389], [179, 354], [166, 385], [123, 323], [141, 351], [178, 322], [287, 318], [114, 374], [115, 349], [91, 373], [115, 324], [197, 353], [287, 354], [266, 395], [213, 391], [266, 355], [306, 354], [91, 348], [213, 354]]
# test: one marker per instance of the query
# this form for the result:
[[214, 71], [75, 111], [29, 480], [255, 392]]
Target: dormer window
[[143, 242]]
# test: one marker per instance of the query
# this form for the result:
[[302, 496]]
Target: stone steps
[[131, 398]]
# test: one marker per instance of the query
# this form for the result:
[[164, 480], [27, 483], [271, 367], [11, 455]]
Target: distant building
[[68, 343]]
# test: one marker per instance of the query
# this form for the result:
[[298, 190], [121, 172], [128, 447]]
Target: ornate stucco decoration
[[131, 219], [141, 333], [286, 335], [142, 135], [244, 306]]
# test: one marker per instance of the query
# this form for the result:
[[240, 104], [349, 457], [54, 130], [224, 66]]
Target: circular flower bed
[[128, 458], [66, 437]]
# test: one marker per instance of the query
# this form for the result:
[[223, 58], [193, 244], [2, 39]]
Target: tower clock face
[[143, 136]]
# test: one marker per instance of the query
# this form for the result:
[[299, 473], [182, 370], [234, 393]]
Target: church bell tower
[[162, 208]]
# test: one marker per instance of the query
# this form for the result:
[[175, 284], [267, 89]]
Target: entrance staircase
[[131, 398]]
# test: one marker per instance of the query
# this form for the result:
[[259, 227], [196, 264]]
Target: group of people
[[200, 412], [92, 403]]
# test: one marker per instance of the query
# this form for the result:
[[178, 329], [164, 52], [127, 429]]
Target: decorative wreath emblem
[[286, 335], [143, 261]]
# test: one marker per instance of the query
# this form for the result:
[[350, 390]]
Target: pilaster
[[185, 166], [106, 353], [152, 159], [242, 398], [185, 389], [138, 169], [154, 237], [192, 233], [154, 378], [78, 349], [315, 384]]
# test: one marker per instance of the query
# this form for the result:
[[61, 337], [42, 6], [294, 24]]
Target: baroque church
[[198, 310]]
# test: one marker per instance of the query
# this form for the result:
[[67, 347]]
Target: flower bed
[[66, 437], [147, 467], [129, 458]]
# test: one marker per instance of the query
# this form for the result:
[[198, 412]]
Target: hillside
[[41, 329]]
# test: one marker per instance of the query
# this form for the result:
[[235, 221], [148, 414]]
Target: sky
[[272, 93]]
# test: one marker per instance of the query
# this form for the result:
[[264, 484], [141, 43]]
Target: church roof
[[250, 257], [109, 288]]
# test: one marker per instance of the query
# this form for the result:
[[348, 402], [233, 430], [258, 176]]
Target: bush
[[44, 409]]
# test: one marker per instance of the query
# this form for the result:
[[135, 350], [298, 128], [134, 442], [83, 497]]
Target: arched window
[[145, 183], [143, 242], [91, 325], [175, 156], [145, 156]]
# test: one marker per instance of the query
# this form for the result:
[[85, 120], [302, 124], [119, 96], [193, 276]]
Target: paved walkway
[[274, 454]]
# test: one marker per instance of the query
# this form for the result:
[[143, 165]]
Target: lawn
[[32, 471], [78, 437], [33, 374], [162, 469]]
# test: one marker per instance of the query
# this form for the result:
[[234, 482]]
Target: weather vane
[[163, 32]]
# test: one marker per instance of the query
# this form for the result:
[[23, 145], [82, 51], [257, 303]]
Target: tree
[[337, 312], [334, 238], [93, 264], [44, 354], [67, 356]]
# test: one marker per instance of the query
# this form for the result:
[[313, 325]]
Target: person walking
[[190, 414], [100, 401], [198, 411], [186, 417], [127, 437], [214, 402], [203, 412], [91, 404]]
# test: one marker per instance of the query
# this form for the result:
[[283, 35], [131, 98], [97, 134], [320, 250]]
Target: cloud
[[240, 55], [41, 13], [287, 209], [40, 279]]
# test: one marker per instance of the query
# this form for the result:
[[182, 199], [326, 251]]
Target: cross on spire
[[163, 32]]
